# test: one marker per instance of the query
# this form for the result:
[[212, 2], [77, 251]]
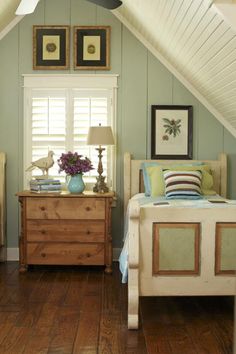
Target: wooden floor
[[81, 310]]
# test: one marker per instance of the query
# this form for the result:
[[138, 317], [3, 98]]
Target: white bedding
[[212, 201]]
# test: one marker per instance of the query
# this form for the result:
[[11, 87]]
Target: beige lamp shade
[[100, 136]]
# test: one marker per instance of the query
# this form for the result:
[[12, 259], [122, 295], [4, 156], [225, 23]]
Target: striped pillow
[[182, 184]]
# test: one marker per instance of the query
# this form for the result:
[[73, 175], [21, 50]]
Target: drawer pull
[[88, 208], [42, 208], [43, 254], [43, 232], [88, 232]]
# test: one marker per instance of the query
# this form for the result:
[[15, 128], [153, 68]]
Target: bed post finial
[[127, 179]]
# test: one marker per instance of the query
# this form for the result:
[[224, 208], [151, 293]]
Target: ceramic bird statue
[[43, 164]]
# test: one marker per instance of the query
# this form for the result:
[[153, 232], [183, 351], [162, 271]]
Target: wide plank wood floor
[[82, 310]]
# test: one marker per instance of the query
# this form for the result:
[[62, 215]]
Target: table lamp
[[100, 136]]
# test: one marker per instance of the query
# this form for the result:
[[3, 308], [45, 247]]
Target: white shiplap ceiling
[[194, 39], [195, 42]]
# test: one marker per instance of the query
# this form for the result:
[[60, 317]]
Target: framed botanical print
[[51, 47], [171, 132], [92, 47]]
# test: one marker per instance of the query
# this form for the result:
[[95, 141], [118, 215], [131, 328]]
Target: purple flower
[[73, 163]]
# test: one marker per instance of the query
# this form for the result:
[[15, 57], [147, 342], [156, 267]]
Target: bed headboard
[[2, 200], [133, 182]]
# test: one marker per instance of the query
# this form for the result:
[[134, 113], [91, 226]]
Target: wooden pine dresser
[[65, 229]]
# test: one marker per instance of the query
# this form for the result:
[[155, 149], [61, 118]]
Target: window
[[58, 113]]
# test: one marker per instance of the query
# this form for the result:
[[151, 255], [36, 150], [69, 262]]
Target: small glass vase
[[76, 184]]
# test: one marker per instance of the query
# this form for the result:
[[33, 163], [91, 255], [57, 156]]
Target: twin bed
[[177, 247]]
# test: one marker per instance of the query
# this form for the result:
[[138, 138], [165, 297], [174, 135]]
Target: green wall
[[143, 81]]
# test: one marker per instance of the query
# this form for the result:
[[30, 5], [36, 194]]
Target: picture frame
[[171, 132], [92, 47], [51, 45]]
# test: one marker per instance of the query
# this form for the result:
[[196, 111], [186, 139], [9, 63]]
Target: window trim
[[44, 81]]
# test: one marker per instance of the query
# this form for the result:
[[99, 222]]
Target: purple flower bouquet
[[74, 164]]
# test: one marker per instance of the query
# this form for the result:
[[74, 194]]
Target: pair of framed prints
[[51, 47]]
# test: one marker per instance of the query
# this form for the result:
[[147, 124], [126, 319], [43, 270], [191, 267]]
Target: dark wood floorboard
[[80, 310]]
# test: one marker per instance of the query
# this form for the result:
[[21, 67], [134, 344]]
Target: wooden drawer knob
[[43, 254], [42, 208], [88, 208], [43, 232], [88, 232]]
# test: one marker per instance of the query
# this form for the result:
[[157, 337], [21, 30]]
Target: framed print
[[92, 47], [51, 47], [171, 132]]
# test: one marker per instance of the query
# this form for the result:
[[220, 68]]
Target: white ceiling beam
[[10, 26]]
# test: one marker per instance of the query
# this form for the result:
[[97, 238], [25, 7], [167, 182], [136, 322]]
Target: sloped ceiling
[[194, 40]]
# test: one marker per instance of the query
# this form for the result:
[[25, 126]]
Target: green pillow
[[157, 181]]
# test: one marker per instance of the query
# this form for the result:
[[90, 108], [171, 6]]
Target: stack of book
[[45, 185]]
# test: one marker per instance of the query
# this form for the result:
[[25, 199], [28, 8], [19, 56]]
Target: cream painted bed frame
[[141, 282], [2, 207]]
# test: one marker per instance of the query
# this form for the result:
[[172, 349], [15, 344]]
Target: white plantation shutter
[[59, 119], [48, 126], [91, 109]]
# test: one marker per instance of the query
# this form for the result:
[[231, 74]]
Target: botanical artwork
[[171, 132], [172, 127]]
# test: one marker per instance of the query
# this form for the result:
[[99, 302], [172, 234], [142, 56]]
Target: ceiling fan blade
[[108, 4], [26, 7]]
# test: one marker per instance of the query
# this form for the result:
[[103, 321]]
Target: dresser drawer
[[65, 231], [65, 253], [65, 208]]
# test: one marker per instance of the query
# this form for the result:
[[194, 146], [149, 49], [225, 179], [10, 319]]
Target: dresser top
[[64, 194]]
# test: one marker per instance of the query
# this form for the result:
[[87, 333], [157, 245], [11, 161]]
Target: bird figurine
[[43, 164]]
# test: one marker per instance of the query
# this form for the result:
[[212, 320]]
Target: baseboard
[[13, 254]]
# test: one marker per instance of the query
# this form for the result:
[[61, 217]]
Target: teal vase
[[76, 184]]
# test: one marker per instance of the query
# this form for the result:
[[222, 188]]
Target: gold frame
[[103, 63], [63, 32]]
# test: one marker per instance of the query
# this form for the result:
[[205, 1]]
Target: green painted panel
[[83, 13], [9, 127], [210, 135], [176, 248], [228, 248], [160, 82], [57, 12], [181, 96], [134, 95], [105, 18]]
